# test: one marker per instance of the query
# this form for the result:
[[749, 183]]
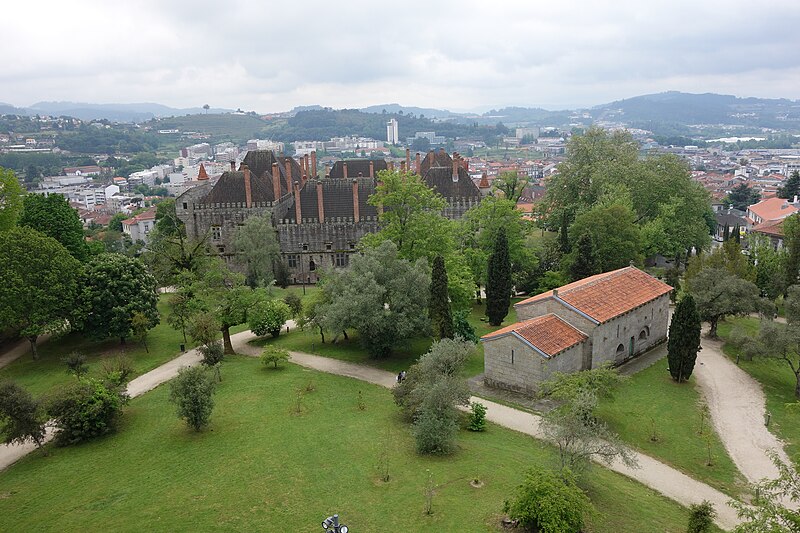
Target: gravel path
[[738, 406]]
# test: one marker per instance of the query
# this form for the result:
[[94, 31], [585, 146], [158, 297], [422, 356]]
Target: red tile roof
[[150, 214], [772, 209], [770, 227], [549, 334], [608, 295]]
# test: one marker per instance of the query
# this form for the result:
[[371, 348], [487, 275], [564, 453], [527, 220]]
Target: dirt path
[[738, 406], [21, 348]]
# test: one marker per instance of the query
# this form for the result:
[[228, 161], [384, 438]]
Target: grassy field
[[776, 379], [403, 356], [261, 466], [651, 401]]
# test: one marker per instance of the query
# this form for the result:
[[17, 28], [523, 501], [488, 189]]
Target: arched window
[[620, 349], [644, 333], [312, 266]]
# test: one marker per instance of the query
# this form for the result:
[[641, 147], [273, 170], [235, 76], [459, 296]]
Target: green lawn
[[403, 356], [652, 397], [260, 466], [776, 379]]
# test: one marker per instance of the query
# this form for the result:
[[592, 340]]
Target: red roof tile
[[772, 209], [608, 295], [548, 333], [770, 227]]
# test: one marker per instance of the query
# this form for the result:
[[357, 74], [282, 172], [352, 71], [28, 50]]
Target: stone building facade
[[607, 318], [318, 221]]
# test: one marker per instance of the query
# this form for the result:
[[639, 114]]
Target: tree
[[268, 316], [203, 328], [11, 195], [439, 307], [84, 410], [584, 260], [295, 304], [140, 327], [511, 184], [791, 231], [113, 288], [272, 355], [684, 339], [40, 284], [718, 293], [257, 249], [770, 265], [549, 503], [742, 196], [421, 144], [181, 309], [192, 391], [222, 292], [768, 514], [498, 283], [53, 216], [775, 340], [21, 417], [791, 187], [378, 296], [115, 224], [701, 517]]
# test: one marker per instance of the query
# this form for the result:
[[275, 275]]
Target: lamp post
[[331, 525]]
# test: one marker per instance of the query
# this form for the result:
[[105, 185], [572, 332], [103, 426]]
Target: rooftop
[[773, 209], [549, 334]]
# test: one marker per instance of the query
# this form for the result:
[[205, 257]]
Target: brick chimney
[[408, 159], [248, 194], [305, 179], [433, 158], [320, 203], [356, 207], [465, 164], [233, 165], [344, 169], [305, 165], [276, 181], [455, 168], [419, 164], [297, 211], [288, 167], [371, 168], [313, 172]]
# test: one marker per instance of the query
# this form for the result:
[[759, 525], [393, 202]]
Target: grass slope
[[651, 398], [777, 380], [262, 467]]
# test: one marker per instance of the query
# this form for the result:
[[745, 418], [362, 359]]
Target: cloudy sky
[[460, 55]]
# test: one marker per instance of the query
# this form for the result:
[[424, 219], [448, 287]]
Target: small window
[[341, 260], [185, 205], [312, 266], [216, 233], [221, 249], [620, 349], [352, 245], [292, 261], [305, 247], [328, 246], [512, 356]]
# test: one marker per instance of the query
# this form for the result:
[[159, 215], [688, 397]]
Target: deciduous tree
[[718, 293], [257, 249], [584, 258], [511, 184], [11, 194], [268, 316], [22, 418], [192, 391], [53, 216]]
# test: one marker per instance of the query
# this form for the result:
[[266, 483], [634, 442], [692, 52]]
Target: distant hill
[[427, 112], [113, 112]]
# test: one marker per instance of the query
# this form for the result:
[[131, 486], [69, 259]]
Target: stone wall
[[526, 369], [647, 325]]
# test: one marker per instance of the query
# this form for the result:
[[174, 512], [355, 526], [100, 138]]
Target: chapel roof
[[548, 333]]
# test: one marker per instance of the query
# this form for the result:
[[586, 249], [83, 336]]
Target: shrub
[[117, 371], [477, 418], [85, 410], [435, 432], [212, 353], [274, 355], [462, 328], [701, 517], [192, 391], [549, 503], [268, 317], [21, 417], [76, 364], [295, 304]]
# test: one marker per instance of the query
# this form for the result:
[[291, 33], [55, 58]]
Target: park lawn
[[261, 466], [401, 358], [777, 381], [651, 396], [48, 372]]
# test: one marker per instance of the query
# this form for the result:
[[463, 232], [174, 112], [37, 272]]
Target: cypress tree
[[684, 339], [498, 282], [439, 307], [563, 235], [737, 234], [727, 233], [585, 260]]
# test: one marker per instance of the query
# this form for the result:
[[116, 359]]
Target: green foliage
[[113, 288], [791, 187], [770, 265], [11, 195], [498, 284], [204, 328], [602, 382], [181, 309], [115, 224], [684, 339], [436, 426], [257, 248], [140, 326], [549, 503], [552, 280], [742, 196], [718, 293], [295, 304], [511, 184], [272, 355], [223, 293], [53, 216], [268, 316], [40, 283], [76, 364], [377, 295], [85, 410], [791, 231], [212, 353], [462, 328], [21, 416], [672, 276], [584, 261], [768, 514], [774, 340], [439, 306], [192, 391], [477, 417], [701, 517]]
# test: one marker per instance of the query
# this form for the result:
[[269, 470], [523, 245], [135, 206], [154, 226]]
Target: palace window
[[305, 247], [216, 233], [328, 246], [292, 261], [341, 260]]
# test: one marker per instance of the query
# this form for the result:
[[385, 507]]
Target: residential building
[[139, 226]]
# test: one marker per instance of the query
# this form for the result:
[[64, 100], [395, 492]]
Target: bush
[[462, 328], [21, 417], [477, 418], [212, 353], [435, 432], [268, 317], [193, 393], [76, 364], [701, 517], [117, 371], [274, 355], [85, 410], [549, 503], [295, 304]]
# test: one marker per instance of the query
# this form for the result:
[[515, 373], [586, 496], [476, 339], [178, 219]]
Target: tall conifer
[[684, 339], [439, 307], [498, 283]]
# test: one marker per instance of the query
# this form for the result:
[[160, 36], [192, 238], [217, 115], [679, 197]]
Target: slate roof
[[548, 333], [356, 167], [230, 189], [606, 296], [337, 198], [441, 180], [435, 158]]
